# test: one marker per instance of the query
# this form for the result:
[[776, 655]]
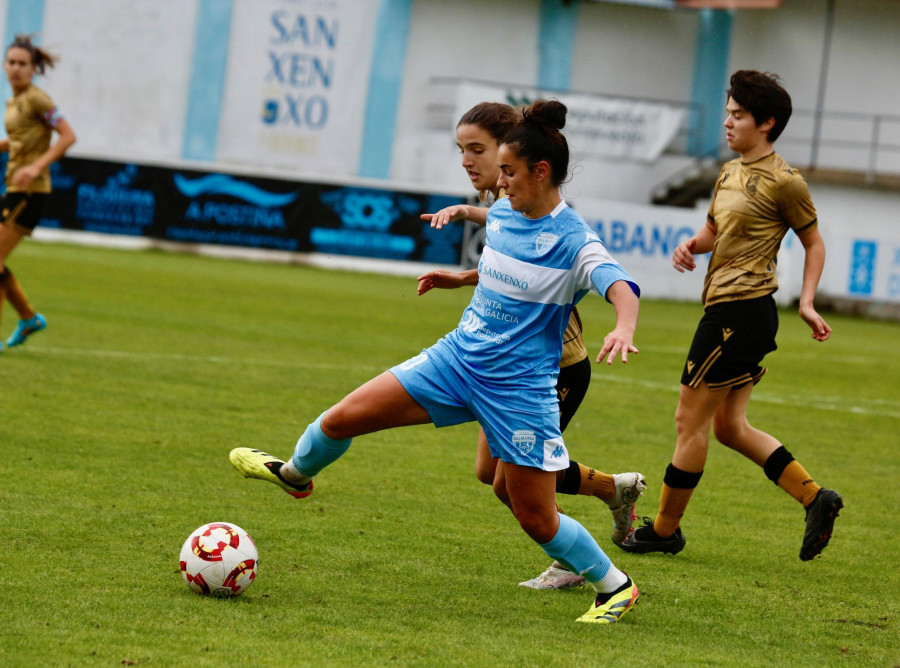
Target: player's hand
[[617, 342], [446, 215], [440, 279], [683, 256], [25, 175], [820, 329]]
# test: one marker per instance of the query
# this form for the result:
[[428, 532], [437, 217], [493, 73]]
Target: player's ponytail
[[40, 58]]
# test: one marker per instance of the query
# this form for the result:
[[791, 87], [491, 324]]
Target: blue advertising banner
[[217, 208]]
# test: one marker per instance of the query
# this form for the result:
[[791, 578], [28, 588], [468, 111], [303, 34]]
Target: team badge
[[545, 241], [524, 439], [751, 185]]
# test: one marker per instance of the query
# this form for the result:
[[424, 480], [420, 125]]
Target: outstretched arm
[[620, 341], [447, 279], [477, 214], [814, 246]]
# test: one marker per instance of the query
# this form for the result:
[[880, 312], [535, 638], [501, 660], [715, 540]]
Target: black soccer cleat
[[820, 516], [644, 539]]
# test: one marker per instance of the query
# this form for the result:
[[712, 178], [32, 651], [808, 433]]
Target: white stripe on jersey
[[589, 258], [524, 281], [543, 285]]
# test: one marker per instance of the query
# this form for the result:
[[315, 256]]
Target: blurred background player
[[31, 117], [758, 198], [478, 136], [501, 371]]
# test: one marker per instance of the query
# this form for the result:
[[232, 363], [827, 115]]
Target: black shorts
[[571, 386], [730, 342], [22, 211]]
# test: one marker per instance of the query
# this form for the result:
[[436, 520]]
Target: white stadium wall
[[124, 72], [862, 78], [124, 76], [125, 82]]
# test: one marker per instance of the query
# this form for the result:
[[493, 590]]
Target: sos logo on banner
[[385, 224]]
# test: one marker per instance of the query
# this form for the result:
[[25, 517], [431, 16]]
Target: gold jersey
[[574, 349], [30, 119], [753, 207]]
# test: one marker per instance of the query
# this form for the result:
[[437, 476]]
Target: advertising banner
[[642, 238], [595, 126], [216, 208], [191, 206], [297, 84], [863, 261], [862, 266]]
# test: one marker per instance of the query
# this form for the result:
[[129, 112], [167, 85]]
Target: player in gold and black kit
[[757, 200], [31, 118]]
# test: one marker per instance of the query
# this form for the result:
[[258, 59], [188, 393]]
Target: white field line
[[819, 356], [876, 407], [208, 359]]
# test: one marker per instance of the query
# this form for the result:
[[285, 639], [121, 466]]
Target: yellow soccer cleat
[[263, 466], [609, 608]]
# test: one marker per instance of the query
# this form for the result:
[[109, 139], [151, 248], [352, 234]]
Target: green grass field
[[117, 421]]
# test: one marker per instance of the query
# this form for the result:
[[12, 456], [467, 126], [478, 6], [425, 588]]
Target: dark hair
[[39, 58], [536, 136], [493, 117], [762, 95]]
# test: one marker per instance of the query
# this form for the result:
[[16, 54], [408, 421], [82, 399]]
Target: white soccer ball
[[219, 559]]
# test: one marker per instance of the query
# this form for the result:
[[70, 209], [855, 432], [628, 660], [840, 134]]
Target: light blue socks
[[575, 548], [315, 450]]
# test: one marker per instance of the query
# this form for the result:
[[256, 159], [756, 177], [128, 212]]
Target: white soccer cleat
[[629, 488], [555, 577]]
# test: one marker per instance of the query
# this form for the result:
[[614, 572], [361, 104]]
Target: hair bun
[[546, 112]]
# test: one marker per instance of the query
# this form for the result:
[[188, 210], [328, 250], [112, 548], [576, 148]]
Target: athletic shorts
[[452, 397], [22, 211], [731, 340], [571, 387]]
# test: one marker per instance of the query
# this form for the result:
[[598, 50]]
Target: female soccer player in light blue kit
[[499, 365]]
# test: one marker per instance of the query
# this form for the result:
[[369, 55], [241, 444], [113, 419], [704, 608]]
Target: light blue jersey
[[500, 365], [531, 275]]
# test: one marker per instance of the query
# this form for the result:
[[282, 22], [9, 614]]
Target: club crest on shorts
[[524, 439], [545, 241]]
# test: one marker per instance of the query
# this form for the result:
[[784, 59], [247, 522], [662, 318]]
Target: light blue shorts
[[452, 397]]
